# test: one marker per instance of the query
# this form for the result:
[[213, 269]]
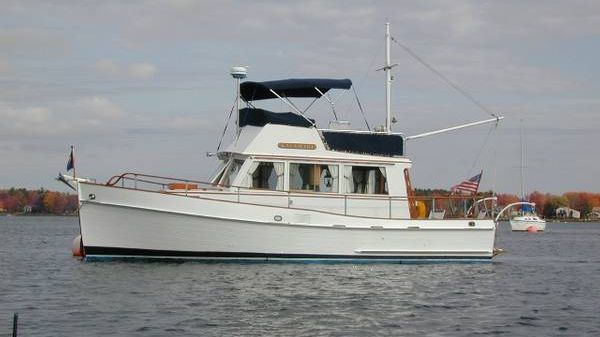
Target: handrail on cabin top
[[115, 179], [128, 176]]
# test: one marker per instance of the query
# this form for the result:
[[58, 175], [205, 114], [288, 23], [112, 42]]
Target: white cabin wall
[[395, 179], [265, 140], [397, 188]]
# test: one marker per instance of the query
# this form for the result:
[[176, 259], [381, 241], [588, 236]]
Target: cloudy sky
[[144, 86]]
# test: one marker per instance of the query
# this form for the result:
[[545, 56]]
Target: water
[[546, 284]]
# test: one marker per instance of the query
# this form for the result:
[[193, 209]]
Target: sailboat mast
[[388, 80], [522, 163]]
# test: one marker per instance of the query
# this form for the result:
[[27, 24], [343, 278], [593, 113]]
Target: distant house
[[27, 209], [566, 212], [594, 214]]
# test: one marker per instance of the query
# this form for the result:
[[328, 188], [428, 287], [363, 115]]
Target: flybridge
[[370, 143]]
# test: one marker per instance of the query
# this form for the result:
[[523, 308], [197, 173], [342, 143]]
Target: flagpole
[[73, 156]]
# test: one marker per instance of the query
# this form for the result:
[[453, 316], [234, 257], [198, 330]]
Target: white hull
[[518, 224], [125, 222]]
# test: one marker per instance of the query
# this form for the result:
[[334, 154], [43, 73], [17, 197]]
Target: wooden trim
[[410, 193], [297, 146]]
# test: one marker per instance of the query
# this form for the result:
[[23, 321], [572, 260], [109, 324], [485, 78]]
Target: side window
[[267, 175], [365, 180], [314, 177]]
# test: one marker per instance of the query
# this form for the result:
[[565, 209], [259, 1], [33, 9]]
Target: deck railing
[[369, 205]]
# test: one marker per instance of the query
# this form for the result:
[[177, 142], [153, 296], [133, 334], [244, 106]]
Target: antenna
[[238, 73], [388, 81]]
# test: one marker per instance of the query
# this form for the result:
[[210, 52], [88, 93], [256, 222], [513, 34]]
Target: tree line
[[546, 203], [41, 201]]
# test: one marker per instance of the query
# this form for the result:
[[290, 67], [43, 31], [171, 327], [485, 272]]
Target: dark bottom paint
[[109, 252]]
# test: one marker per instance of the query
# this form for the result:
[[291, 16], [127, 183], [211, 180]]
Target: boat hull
[[518, 225], [120, 222]]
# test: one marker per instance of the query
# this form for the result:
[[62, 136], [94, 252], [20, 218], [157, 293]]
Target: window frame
[[378, 168], [306, 162], [251, 178]]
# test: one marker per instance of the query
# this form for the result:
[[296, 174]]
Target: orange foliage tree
[[539, 199], [49, 201], [505, 199]]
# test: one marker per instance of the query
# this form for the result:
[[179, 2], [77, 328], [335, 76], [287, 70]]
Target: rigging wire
[[469, 97], [453, 85], [495, 153], [480, 152], [226, 124], [360, 108], [368, 71], [362, 80]]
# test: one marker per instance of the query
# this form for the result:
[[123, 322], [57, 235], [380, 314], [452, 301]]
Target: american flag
[[468, 186]]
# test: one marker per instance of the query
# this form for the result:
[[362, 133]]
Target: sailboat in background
[[527, 219]]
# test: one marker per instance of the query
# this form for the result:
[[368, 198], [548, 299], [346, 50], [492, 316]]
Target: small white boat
[[528, 222], [285, 190]]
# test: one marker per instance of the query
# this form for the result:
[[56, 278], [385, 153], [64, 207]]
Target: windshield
[[231, 172]]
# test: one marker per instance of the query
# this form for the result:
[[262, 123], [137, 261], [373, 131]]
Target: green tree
[[552, 203]]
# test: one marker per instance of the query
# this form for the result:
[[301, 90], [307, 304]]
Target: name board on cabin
[[297, 146]]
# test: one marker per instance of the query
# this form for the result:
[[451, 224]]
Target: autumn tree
[[539, 199], [49, 201], [505, 199]]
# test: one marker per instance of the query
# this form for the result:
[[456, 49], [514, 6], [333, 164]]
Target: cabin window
[[267, 175], [314, 177], [365, 180], [232, 171]]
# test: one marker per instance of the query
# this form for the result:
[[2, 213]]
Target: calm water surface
[[545, 285]]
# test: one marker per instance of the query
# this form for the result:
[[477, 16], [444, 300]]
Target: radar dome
[[239, 72]]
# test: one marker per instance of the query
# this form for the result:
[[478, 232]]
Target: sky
[[144, 86]]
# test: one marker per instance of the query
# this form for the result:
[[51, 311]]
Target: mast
[[388, 81], [522, 162]]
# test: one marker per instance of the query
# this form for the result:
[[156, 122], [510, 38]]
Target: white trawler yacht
[[286, 190]]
